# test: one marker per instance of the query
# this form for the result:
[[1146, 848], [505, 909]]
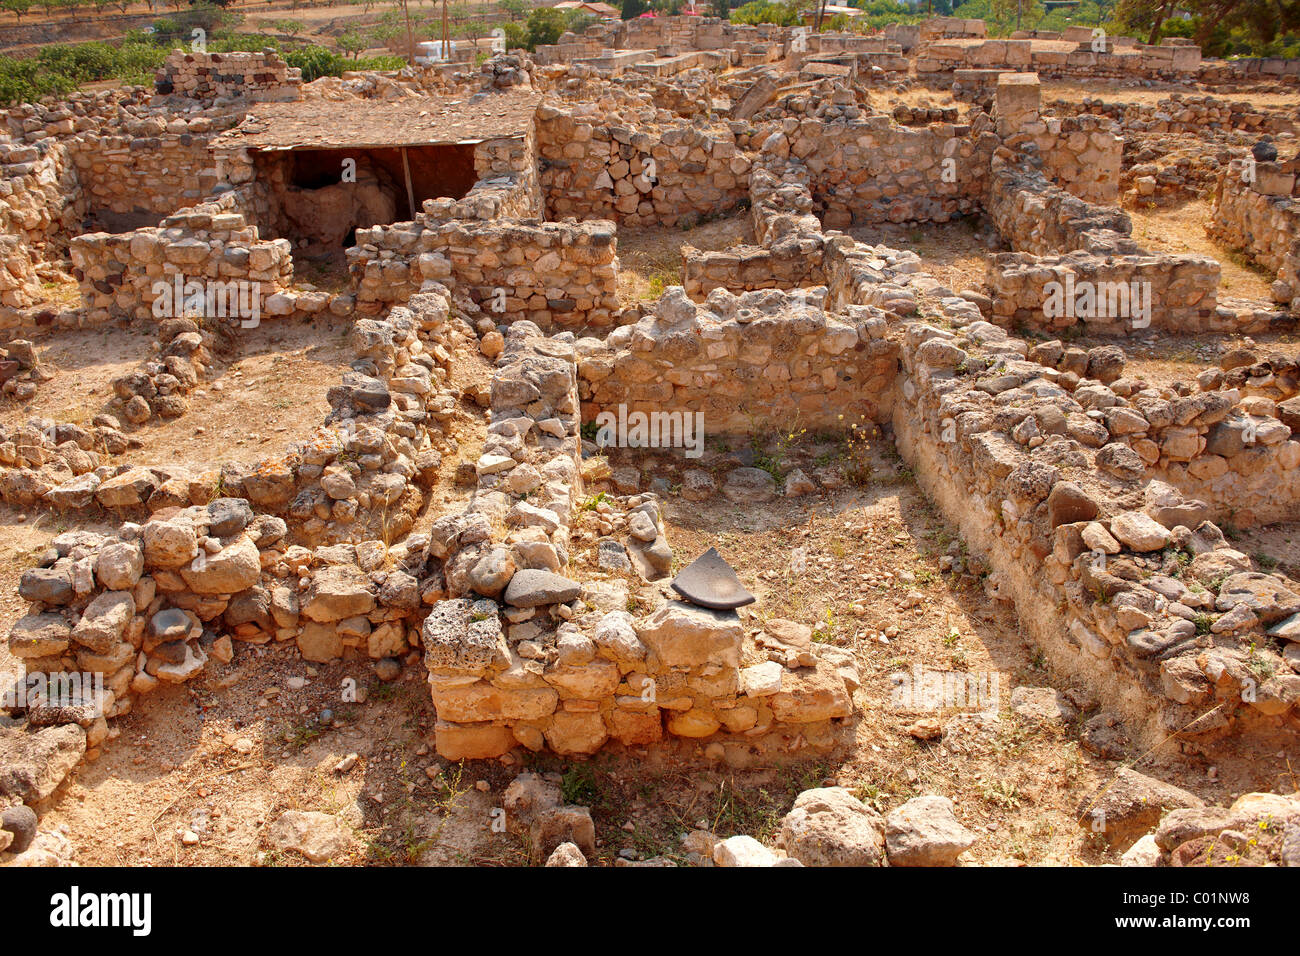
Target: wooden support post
[[410, 192]]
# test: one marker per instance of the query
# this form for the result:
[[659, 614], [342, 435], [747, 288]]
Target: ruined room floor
[[224, 756], [269, 392]]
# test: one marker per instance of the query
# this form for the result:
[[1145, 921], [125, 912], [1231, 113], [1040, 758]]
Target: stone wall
[[1119, 579], [20, 285], [103, 111], [151, 169], [257, 77], [595, 168], [790, 250], [1181, 113], [1038, 217], [1082, 154], [874, 170], [771, 357], [941, 58], [1262, 218], [104, 158], [1131, 293], [1069, 246], [209, 242], [1274, 69], [551, 273], [511, 159], [507, 187], [356, 477], [41, 205]]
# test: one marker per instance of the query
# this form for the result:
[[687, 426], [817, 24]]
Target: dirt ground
[[1181, 229], [271, 391], [956, 252], [1114, 93], [650, 260]]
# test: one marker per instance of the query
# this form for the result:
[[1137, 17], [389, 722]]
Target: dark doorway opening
[[323, 196]]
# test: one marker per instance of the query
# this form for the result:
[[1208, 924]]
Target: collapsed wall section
[[152, 602]]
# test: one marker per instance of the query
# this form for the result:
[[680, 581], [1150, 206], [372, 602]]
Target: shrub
[[761, 11], [544, 27]]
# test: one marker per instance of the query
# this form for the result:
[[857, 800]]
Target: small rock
[[742, 851]]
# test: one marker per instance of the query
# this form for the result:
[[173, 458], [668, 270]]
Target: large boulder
[[337, 592], [829, 826], [39, 635], [1131, 805], [683, 635], [34, 762], [234, 568], [104, 621], [925, 832], [533, 588], [169, 544]]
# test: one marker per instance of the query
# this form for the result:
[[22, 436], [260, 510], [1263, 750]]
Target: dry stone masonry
[[455, 510]]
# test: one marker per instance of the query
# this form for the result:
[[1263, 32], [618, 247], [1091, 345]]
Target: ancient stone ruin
[[465, 502]]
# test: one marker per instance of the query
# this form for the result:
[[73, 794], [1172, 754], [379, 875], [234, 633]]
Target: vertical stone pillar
[[1016, 102]]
